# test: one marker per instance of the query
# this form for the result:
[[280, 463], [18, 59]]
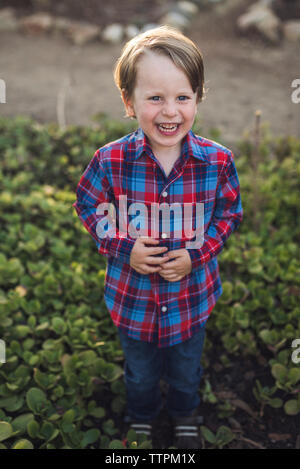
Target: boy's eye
[[181, 98]]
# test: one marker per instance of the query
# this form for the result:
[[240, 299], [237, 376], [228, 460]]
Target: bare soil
[[242, 74]]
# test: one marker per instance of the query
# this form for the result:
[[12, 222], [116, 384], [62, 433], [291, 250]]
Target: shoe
[[139, 427], [186, 431]]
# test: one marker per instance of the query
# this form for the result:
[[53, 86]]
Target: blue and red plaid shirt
[[148, 307]]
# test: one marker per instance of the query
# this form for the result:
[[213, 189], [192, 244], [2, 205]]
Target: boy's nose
[[169, 109]]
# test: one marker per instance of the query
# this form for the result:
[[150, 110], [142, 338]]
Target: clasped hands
[[143, 261]]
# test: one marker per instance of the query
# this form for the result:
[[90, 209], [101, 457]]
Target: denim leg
[[183, 371], [142, 372]]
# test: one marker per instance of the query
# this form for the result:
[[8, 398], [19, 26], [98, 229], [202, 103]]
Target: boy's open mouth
[[168, 128]]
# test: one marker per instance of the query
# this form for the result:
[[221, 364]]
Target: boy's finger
[[167, 271], [156, 260], [153, 269], [158, 250], [146, 240], [170, 265]]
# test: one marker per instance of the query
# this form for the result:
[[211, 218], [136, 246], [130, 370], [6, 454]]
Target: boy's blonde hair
[[164, 40]]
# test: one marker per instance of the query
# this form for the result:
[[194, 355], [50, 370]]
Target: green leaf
[[6, 430], [112, 372], [279, 372], [69, 416], [291, 407], [42, 379], [131, 435], [22, 331], [118, 404], [67, 427], [47, 430], [88, 357], [98, 412], [36, 400], [59, 325], [33, 428], [276, 403], [145, 445], [294, 375], [208, 435], [23, 444], [224, 435], [267, 336], [20, 423], [90, 437], [109, 427], [116, 444]]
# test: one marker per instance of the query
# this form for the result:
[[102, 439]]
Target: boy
[[160, 288]]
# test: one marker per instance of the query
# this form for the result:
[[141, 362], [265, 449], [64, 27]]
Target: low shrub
[[62, 383]]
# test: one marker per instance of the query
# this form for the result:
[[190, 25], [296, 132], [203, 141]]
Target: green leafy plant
[[222, 437], [62, 383], [264, 396]]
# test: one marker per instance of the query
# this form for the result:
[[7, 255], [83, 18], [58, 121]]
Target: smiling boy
[[164, 104], [159, 292]]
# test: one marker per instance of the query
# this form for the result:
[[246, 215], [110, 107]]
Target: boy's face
[[162, 96]]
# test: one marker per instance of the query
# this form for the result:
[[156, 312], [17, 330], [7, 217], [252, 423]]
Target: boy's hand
[[141, 258], [178, 268]]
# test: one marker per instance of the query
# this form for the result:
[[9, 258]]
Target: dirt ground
[[241, 74]]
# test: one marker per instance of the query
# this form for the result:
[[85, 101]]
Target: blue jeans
[[179, 365]]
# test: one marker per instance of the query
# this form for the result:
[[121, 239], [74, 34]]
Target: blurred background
[[57, 58]]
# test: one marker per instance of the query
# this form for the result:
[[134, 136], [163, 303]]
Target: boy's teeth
[[168, 126]]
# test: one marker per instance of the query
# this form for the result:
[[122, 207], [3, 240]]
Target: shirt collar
[[139, 143]]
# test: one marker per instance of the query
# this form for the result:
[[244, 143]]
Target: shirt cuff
[[197, 258], [121, 248]]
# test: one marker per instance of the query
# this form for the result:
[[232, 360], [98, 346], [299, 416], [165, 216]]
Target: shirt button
[[164, 194], [164, 309], [164, 235]]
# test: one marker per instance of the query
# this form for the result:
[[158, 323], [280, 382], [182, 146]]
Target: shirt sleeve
[[92, 190], [227, 216]]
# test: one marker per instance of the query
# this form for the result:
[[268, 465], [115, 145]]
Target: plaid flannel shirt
[[148, 307]]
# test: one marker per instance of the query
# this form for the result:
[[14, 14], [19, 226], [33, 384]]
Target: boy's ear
[[127, 103], [198, 97]]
